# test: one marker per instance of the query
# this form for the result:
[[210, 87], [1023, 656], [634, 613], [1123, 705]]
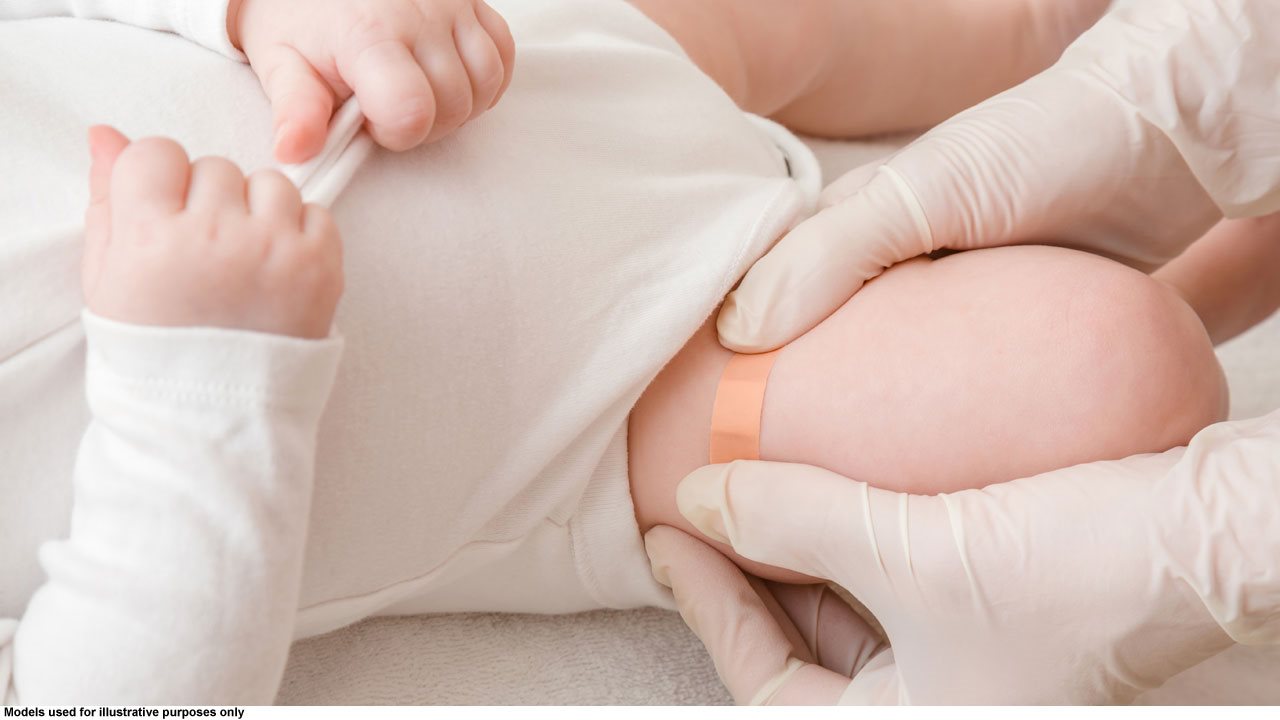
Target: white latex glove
[[1086, 585], [1154, 123], [775, 644]]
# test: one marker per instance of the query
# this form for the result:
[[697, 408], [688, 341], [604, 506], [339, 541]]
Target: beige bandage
[[739, 406]]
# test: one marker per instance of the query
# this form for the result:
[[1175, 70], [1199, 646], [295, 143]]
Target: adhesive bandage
[[736, 415]]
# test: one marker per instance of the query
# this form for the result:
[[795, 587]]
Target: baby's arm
[[840, 68], [201, 21], [209, 300], [978, 368], [1229, 275]]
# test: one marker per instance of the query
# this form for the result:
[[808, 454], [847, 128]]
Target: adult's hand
[[1154, 123], [420, 68], [775, 644], [1085, 585]]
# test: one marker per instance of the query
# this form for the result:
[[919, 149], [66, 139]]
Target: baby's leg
[[1229, 275], [978, 368], [841, 68]]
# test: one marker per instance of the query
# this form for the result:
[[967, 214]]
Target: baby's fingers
[[394, 93], [500, 33], [484, 66], [150, 178], [451, 84], [105, 146], [272, 195], [216, 185], [301, 103]]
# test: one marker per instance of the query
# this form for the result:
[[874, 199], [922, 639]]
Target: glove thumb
[[820, 264], [806, 519]]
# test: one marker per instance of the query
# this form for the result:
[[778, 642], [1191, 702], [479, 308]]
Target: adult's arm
[[201, 21], [179, 580]]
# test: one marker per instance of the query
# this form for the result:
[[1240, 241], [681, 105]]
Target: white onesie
[[511, 291]]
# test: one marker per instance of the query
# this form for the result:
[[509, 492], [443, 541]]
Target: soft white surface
[[648, 656]]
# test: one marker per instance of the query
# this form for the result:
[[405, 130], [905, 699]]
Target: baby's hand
[[420, 68], [175, 243]]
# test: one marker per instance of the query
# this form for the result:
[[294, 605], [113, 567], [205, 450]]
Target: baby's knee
[[1153, 365]]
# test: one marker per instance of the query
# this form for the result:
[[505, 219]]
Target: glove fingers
[[801, 648], [810, 685], [797, 517], [752, 654], [878, 683], [820, 264], [835, 635], [848, 184]]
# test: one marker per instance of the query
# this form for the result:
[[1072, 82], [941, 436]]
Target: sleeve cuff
[[213, 365], [205, 22]]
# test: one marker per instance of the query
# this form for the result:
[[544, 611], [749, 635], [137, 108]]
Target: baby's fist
[[175, 243], [420, 68]]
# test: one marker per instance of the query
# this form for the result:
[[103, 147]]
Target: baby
[[511, 295]]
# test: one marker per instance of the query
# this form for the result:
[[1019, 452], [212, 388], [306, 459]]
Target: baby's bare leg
[[839, 68], [941, 375], [1229, 275]]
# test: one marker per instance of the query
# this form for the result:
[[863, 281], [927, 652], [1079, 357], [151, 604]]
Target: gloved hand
[[420, 68], [1154, 123], [779, 644], [1085, 585]]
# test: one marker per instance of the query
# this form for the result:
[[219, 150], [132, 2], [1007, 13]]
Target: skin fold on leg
[[941, 375]]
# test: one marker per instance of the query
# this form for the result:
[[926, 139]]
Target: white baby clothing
[[510, 292]]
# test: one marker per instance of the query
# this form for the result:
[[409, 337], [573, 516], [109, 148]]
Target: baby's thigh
[[992, 365]]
